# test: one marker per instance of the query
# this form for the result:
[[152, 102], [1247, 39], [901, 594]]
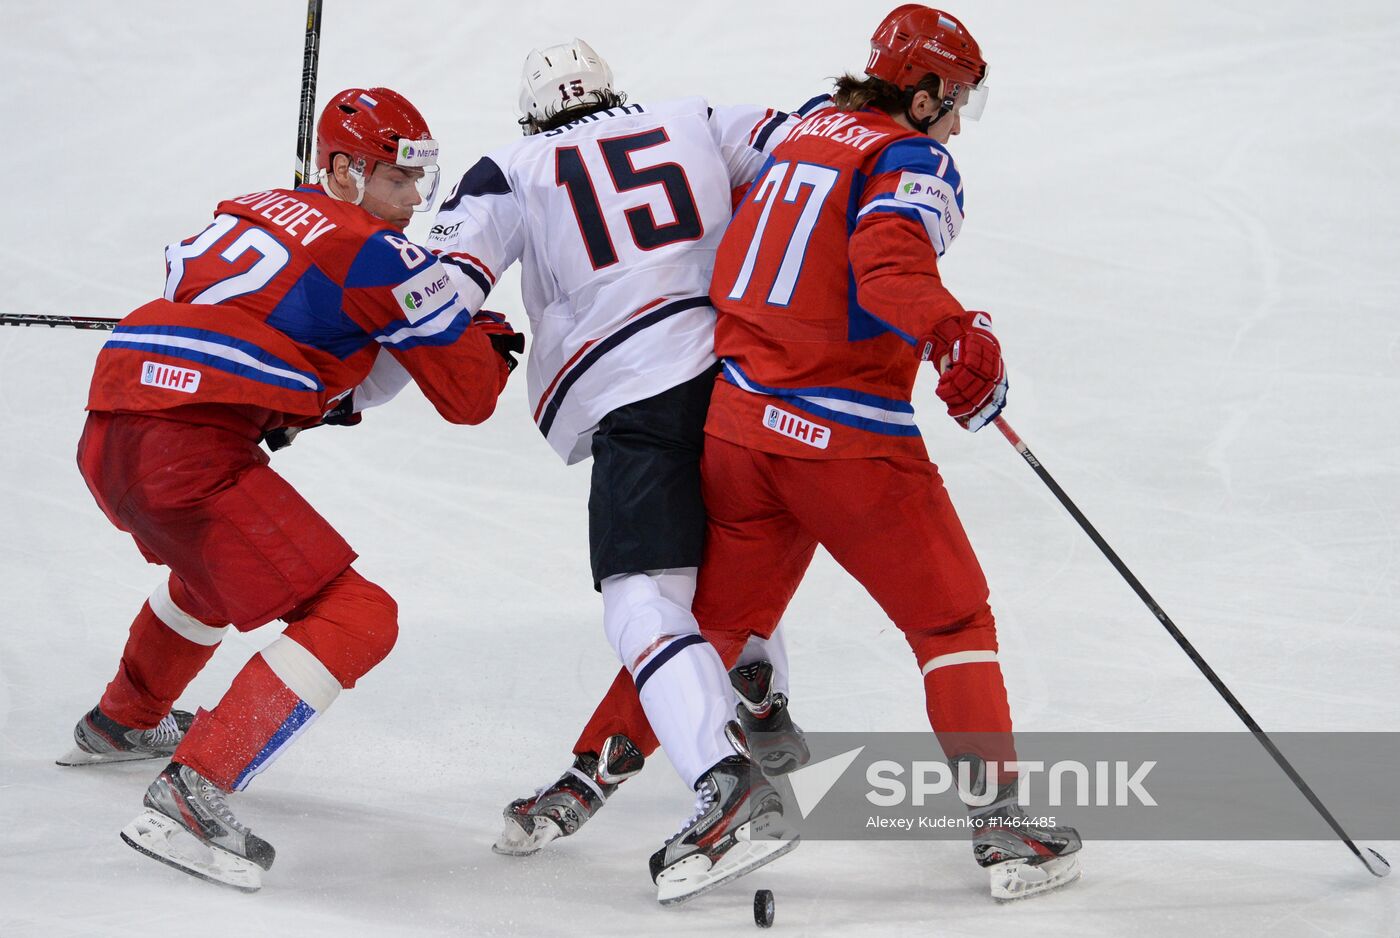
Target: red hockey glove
[[973, 382], [506, 341]]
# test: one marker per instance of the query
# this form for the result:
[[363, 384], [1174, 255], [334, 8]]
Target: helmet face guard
[[410, 181], [393, 156]]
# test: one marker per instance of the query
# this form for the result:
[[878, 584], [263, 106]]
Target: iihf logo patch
[[170, 377], [795, 427]]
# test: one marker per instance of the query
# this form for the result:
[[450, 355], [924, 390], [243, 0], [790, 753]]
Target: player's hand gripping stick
[[972, 378]]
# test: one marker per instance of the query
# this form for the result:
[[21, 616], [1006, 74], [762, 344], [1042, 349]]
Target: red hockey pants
[[243, 547], [890, 524]]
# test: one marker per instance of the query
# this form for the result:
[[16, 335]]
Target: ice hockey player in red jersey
[[828, 297], [292, 308]]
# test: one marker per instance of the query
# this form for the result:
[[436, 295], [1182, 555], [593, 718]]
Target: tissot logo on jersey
[[170, 377], [791, 425], [424, 293]]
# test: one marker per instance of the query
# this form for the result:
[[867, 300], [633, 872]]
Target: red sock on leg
[[963, 688], [166, 647]]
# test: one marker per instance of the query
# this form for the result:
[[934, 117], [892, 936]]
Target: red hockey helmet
[[378, 125], [914, 41]]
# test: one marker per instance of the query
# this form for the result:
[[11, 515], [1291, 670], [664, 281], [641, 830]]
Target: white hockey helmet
[[562, 77]]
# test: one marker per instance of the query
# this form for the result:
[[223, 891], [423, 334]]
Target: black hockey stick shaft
[[57, 322], [1384, 866], [305, 142], [310, 63]]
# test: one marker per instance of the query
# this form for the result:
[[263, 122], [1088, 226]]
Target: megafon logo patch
[[170, 377], [420, 153], [924, 189], [430, 290]]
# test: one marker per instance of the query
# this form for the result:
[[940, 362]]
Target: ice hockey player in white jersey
[[615, 210]]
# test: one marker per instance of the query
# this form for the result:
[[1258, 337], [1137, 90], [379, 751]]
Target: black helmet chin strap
[[920, 124], [945, 107]]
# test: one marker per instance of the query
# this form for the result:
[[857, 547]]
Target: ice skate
[[189, 825], [99, 739], [560, 809], [776, 743], [736, 828], [1021, 859]]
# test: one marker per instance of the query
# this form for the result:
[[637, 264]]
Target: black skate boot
[[100, 739], [560, 809], [1021, 859], [776, 743], [736, 828], [189, 825]]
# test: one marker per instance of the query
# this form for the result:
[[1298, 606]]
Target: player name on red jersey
[[839, 127], [288, 213]]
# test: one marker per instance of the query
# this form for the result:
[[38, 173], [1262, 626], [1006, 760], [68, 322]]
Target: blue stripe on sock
[[669, 652], [295, 720]]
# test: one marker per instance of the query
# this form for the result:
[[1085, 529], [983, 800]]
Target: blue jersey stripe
[[471, 270], [841, 394], [216, 349], [607, 345]]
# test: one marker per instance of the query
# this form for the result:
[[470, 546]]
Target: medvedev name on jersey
[[288, 213], [839, 128]]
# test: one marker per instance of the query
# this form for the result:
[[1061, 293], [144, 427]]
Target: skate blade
[[161, 838], [83, 757], [1021, 879], [694, 876], [515, 841]]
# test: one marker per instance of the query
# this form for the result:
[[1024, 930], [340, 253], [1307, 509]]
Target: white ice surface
[[1186, 219]]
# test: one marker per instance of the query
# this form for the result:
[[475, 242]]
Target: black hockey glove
[[341, 415], [506, 341]]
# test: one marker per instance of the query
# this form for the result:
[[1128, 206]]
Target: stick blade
[[1377, 864]]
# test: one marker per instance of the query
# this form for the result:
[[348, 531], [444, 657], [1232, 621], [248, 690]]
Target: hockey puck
[[763, 908]]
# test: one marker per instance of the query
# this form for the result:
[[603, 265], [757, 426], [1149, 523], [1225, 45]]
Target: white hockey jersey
[[615, 219]]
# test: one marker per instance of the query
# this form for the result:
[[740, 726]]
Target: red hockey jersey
[[282, 304], [825, 279]]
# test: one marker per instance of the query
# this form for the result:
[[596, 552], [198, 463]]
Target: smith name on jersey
[[615, 219], [281, 306]]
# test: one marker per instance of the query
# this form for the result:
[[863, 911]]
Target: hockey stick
[[305, 166], [304, 170], [54, 322], [311, 61], [1375, 863]]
